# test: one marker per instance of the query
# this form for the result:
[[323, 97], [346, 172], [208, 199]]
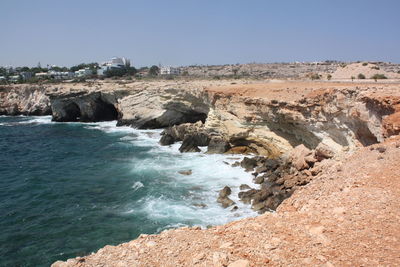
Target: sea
[[68, 189]]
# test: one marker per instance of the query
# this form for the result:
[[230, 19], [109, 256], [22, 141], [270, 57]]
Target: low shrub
[[361, 76], [378, 77]]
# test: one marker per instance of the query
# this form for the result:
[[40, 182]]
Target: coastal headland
[[325, 156]]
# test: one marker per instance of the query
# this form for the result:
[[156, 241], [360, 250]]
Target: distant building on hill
[[42, 75], [59, 75], [168, 70], [114, 63], [15, 78], [83, 72], [26, 75]]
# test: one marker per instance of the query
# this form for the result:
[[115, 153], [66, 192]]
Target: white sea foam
[[210, 173], [137, 185], [40, 120]]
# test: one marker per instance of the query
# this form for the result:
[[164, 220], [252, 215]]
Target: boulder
[[189, 145], [298, 157], [261, 195], [201, 138], [272, 164], [217, 145], [261, 169], [323, 151], [248, 163], [188, 172], [225, 201], [167, 140], [258, 206], [244, 187], [226, 191], [246, 196], [259, 180]]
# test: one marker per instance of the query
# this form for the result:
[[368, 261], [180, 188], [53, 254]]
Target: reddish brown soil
[[292, 91]]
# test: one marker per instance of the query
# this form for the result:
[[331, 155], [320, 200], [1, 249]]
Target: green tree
[[131, 70], [361, 76], [154, 70], [115, 72]]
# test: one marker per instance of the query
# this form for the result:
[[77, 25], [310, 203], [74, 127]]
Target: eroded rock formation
[[84, 107], [24, 100]]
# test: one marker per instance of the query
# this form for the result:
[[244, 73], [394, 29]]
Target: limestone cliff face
[[342, 118], [24, 100], [159, 108], [265, 118]]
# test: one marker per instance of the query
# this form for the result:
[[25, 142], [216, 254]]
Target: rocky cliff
[[24, 100], [265, 118], [268, 119]]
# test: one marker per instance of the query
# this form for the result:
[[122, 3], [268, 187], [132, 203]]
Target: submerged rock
[[223, 197], [226, 191], [188, 172]]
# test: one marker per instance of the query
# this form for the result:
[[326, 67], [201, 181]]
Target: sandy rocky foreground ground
[[347, 216]]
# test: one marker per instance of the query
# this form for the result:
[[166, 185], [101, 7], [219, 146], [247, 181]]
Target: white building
[[114, 63], [42, 75], [15, 78], [83, 72], [59, 75], [167, 70]]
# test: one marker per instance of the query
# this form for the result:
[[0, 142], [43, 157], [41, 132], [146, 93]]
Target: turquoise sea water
[[68, 189]]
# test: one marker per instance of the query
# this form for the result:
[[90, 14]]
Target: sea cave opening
[[105, 111], [72, 112]]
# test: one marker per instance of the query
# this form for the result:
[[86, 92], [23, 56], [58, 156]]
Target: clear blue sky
[[185, 32]]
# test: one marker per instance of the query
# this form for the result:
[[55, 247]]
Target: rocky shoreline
[[291, 131], [290, 126]]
